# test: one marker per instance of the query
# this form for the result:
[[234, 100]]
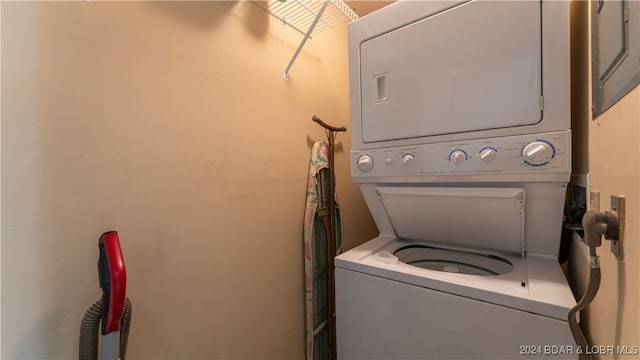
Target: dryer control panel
[[548, 153]]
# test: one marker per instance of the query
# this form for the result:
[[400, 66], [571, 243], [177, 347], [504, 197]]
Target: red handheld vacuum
[[113, 310]]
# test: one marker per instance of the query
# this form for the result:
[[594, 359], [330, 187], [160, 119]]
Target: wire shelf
[[300, 14], [308, 17]]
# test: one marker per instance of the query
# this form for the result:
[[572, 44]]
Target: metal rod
[[304, 40], [315, 118], [331, 251]]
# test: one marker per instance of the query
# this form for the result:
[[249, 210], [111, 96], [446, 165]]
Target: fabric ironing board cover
[[315, 232]]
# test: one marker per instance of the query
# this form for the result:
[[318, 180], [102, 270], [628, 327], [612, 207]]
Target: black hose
[[125, 324], [589, 295], [90, 331]]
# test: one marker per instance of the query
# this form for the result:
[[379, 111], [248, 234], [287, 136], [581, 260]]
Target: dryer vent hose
[[90, 331], [589, 295]]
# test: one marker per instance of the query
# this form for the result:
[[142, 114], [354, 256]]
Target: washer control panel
[[542, 153]]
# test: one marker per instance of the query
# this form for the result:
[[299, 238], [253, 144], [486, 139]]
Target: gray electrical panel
[[615, 46]]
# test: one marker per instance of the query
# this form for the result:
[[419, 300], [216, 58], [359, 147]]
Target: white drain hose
[[595, 224], [589, 295]]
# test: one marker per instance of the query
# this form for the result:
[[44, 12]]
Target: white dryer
[[461, 145]]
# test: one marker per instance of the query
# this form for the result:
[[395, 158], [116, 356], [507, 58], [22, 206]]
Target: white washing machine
[[461, 145]]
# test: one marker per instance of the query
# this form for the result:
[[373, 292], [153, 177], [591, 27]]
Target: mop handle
[[113, 281]]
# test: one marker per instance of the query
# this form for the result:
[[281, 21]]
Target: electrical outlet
[[618, 206]]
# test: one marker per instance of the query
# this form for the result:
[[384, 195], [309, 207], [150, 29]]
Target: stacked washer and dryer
[[461, 145]]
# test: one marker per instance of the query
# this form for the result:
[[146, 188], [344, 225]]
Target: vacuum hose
[[125, 323], [90, 330]]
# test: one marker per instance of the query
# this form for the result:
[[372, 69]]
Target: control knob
[[457, 156], [538, 153], [365, 163], [407, 159], [487, 155]]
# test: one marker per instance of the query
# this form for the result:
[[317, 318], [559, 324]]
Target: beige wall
[[613, 163], [614, 160], [171, 123]]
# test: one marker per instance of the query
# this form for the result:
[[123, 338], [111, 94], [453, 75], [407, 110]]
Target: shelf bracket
[[306, 37]]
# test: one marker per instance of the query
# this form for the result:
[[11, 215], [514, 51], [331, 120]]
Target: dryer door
[[476, 66]]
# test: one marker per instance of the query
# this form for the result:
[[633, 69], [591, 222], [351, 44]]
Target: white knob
[[365, 163], [457, 156], [537, 153], [487, 155], [407, 159]]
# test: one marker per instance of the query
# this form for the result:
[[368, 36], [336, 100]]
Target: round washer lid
[[453, 261]]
